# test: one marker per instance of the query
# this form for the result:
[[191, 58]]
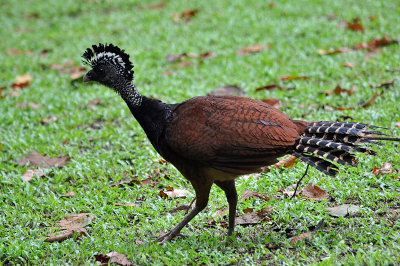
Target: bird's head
[[110, 66]]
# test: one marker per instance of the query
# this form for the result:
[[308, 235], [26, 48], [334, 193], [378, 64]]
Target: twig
[[298, 183]]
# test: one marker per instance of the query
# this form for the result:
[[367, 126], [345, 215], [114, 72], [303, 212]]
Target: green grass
[[295, 30]]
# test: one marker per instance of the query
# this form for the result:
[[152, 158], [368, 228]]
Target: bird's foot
[[169, 236]]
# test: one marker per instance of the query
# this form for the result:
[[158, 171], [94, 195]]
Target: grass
[[105, 142]]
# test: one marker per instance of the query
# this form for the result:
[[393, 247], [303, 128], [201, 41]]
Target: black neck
[[152, 115]]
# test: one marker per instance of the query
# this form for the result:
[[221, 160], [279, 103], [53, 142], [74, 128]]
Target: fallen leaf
[[314, 192], [49, 120], [348, 64], [1, 91], [272, 87], [371, 101], [130, 182], [384, 85], [155, 6], [171, 58], [30, 104], [68, 195], [248, 193], [139, 242], [77, 72], [271, 5], [333, 51], [287, 162], [184, 207], [250, 218], [372, 45], [306, 235], [29, 174], [174, 193], [36, 159], [14, 52], [207, 55], [339, 90], [76, 220], [295, 239], [228, 90], [95, 101], [292, 77], [376, 43], [397, 124], [252, 49], [113, 257], [129, 204], [343, 210], [386, 168], [187, 15], [274, 102], [65, 234], [22, 81], [355, 25], [44, 52]]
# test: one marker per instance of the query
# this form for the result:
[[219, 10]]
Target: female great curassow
[[215, 139]]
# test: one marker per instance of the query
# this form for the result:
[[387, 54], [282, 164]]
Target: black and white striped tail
[[326, 144]]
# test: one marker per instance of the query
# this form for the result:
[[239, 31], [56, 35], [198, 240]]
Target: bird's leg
[[202, 193], [231, 195]]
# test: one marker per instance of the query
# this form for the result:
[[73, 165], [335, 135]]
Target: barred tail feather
[[325, 144]]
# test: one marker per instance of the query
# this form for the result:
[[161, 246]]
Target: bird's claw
[[168, 236]]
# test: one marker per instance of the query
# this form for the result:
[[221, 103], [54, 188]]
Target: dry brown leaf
[[228, 90], [68, 195], [95, 101], [271, 5], [65, 234], [252, 49], [79, 220], [376, 43], [348, 64], [155, 6], [355, 25], [112, 257], [248, 193], [36, 159], [386, 168], [343, 210], [171, 58], [274, 102], [295, 239], [30, 104], [22, 81], [314, 192], [184, 207], [287, 162], [207, 55], [272, 87], [384, 85], [174, 193], [49, 120], [14, 52], [372, 100], [292, 77], [333, 51], [339, 90], [187, 15], [250, 218], [29, 174], [129, 204]]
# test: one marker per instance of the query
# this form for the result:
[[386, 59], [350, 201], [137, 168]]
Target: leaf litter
[[112, 257], [72, 225], [36, 159]]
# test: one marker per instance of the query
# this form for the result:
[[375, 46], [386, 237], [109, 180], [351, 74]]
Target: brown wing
[[233, 134]]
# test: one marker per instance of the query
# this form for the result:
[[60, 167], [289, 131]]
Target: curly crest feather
[[108, 53]]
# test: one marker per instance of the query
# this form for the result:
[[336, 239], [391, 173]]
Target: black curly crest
[[108, 53]]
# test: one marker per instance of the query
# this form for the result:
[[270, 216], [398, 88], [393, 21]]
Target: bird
[[216, 139]]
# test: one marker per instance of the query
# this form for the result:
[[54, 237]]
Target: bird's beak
[[86, 78]]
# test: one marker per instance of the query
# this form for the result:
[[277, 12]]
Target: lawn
[[45, 107]]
